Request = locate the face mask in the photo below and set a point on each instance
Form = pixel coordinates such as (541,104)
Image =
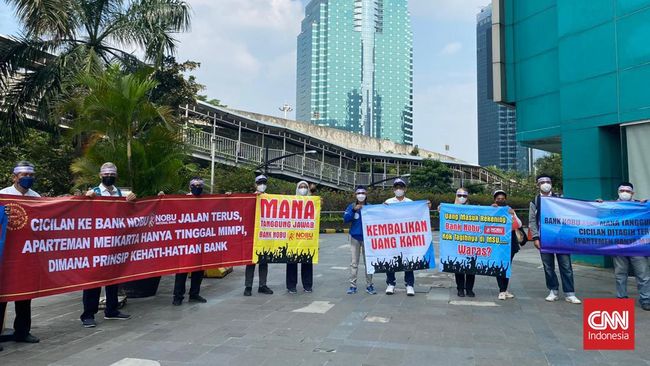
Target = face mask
(361,197)
(399,193)
(261,188)
(26,182)
(108,181)
(196,190)
(302,191)
(501,203)
(462,200)
(624,196)
(545,187)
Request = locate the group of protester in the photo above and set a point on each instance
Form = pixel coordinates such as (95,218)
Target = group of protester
(24,175)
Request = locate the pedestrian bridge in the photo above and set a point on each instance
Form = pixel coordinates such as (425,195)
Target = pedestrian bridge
(336,158)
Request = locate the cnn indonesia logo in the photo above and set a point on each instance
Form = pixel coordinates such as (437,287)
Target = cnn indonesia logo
(608,324)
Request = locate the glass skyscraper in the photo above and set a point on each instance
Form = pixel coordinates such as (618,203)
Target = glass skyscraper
(497,124)
(355,67)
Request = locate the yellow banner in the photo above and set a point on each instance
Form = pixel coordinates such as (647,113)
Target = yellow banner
(286,229)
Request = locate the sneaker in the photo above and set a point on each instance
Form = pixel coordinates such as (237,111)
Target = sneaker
(248,291)
(461,293)
(371,290)
(352,290)
(292,291)
(265,290)
(118,316)
(410,291)
(309,290)
(510,295)
(573,300)
(645,306)
(198,298)
(390,289)
(502,296)
(177,302)
(552,296)
(89,323)
(470,293)
(27,339)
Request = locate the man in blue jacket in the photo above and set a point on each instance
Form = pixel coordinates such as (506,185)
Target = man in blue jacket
(353,215)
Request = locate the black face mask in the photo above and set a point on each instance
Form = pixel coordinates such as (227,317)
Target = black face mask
(501,203)
(108,181)
(196,190)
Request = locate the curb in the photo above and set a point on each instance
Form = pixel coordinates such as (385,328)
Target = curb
(335,231)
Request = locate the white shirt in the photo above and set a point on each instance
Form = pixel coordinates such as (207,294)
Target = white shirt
(106,193)
(14,192)
(395,200)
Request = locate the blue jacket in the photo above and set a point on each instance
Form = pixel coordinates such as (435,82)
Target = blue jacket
(356,229)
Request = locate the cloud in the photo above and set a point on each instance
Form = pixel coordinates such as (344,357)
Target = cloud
(451,48)
(447,10)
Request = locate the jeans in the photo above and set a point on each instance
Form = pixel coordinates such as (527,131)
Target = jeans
(357,250)
(464,281)
(91,302)
(23,321)
(503,281)
(195,284)
(409,278)
(641,272)
(306,275)
(250,273)
(566,272)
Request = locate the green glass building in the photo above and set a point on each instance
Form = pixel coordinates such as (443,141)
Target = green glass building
(355,67)
(578,72)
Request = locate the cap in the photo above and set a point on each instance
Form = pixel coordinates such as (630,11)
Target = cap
(196,182)
(360,189)
(108,168)
(24,167)
(260,179)
(498,192)
(626,186)
(399,181)
(543,178)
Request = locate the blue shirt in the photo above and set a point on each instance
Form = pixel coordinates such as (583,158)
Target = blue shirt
(356,228)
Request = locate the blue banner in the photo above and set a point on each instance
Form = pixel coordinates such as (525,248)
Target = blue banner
(475,239)
(585,227)
(397,237)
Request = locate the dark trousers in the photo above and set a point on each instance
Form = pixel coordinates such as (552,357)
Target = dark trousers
(23,321)
(195,284)
(306,275)
(503,281)
(409,278)
(465,281)
(250,273)
(91,302)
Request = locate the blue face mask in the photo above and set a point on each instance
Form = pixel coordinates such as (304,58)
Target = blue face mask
(196,190)
(26,182)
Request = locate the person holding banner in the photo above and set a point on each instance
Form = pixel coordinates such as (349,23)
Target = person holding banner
(306,269)
(399,188)
(196,189)
(107,188)
(352,215)
(639,264)
(545,186)
(260,188)
(23,179)
(464,282)
(500,198)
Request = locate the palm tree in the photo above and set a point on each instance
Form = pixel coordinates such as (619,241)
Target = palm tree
(120,124)
(64,38)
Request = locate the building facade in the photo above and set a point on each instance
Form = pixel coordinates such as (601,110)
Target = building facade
(497,143)
(355,67)
(578,72)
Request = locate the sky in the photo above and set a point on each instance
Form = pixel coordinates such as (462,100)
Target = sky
(247,51)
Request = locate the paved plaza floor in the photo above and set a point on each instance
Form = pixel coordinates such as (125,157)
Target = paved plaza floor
(329,327)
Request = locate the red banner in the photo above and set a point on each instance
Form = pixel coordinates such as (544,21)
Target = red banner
(57,245)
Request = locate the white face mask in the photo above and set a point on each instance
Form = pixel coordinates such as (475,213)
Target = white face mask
(303,191)
(261,188)
(462,200)
(361,197)
(624,196)
(545,187)
(399,193)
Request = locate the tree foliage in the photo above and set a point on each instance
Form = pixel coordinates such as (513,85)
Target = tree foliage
(433,176)
(174,89)
(551,165)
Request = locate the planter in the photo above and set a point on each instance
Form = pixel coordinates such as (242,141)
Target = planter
(140,288)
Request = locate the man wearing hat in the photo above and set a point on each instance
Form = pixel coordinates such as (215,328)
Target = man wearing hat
(260,188)
(107,188)
(399,188)
(544,184)
(23,179)
(196,189)
(352,215)
(639,264)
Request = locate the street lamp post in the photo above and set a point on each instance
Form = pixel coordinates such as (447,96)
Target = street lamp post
(212,152)
(286,108)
